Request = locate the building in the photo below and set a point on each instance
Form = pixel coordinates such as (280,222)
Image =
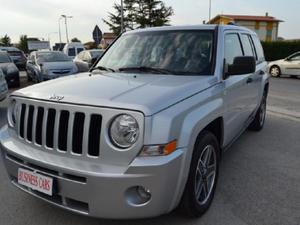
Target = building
(107,39)
(266,26)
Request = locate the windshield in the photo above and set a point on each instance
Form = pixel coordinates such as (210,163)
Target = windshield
(52,57)
(4,58)
(181,52)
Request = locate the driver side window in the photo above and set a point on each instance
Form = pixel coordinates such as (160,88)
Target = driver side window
(233,47)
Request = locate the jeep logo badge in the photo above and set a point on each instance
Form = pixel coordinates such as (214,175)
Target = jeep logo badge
(56,97)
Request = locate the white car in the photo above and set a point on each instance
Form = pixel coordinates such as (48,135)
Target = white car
(288,66)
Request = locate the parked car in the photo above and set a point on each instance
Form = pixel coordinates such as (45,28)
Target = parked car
(3,86)
(47,65)
(85,59)
(72,49)
(288,66)
(17,56)
(144,131)
(9,69)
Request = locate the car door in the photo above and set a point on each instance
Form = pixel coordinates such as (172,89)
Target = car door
(291,65)
(249,49)
(237,94)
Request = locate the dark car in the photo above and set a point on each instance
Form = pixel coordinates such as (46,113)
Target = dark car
(9,69)
(17,56)
(85,59)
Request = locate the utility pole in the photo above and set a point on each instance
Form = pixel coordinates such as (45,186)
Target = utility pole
(59,32)
(66,24)
(122,17)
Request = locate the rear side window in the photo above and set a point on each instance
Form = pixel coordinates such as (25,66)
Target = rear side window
(247,46)
(259,50)
(232,47)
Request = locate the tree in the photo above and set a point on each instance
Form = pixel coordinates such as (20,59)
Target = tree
(114,20)
(6,41)
(75,39)
(23,43)
(152,13)
(139,14)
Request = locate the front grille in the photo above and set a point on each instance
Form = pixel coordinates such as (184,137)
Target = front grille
(77,133)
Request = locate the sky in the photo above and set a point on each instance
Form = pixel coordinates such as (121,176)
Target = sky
(39,18)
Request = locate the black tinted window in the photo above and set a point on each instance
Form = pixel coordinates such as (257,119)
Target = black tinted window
(232,47)
(247,46)
(258,48)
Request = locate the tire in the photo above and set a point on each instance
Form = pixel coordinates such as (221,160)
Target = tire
(275,71)
(197,196)
(260,116)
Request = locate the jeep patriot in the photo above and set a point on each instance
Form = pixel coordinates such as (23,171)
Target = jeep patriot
(143,132)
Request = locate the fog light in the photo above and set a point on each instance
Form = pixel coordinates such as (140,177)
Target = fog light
(138,195)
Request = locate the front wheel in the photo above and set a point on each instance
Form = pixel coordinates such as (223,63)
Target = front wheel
(203,175)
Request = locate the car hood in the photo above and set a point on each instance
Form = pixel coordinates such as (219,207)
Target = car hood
(58,65)
(148,93)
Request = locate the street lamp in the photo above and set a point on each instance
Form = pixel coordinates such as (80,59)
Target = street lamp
(66,24)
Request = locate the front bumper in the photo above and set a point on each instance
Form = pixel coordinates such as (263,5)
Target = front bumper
(98,190)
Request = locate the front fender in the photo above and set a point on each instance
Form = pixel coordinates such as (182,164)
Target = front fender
(183,122)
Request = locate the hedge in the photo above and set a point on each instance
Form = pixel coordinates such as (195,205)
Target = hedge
(280,49)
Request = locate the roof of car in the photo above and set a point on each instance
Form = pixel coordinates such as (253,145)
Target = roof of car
(192,27)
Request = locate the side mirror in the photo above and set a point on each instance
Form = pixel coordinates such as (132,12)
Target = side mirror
(29,61)
(241,65)
(287,59)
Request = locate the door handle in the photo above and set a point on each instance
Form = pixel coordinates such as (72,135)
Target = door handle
(249,80)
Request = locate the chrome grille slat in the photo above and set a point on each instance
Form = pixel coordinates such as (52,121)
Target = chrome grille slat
(26,121)
(70,132)
(85,142)
(56,133)
(44,128)
(34,124)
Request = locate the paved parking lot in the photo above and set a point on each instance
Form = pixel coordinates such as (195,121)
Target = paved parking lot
(259,178)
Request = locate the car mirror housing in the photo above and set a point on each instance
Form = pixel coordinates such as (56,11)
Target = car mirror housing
(241,65)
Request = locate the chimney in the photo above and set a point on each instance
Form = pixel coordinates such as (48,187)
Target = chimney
(267,14)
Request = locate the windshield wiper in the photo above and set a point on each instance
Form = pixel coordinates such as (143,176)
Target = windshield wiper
(146,69)
(102,68)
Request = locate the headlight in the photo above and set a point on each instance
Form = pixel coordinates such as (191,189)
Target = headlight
(124,131)
(12,113)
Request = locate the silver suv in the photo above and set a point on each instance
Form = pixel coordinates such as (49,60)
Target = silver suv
(143,132)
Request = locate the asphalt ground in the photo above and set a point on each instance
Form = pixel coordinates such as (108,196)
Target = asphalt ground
(259,181)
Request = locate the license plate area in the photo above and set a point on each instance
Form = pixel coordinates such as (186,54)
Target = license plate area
(36,181)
